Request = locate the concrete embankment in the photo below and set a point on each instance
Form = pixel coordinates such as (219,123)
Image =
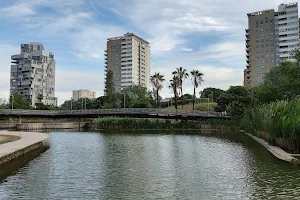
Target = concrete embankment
(27,143)
(38,126)
(276,151)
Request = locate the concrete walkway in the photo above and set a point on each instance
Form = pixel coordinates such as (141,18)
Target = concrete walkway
(276,151)
(27,139)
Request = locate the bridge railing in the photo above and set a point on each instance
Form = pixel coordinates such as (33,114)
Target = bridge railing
(154,111)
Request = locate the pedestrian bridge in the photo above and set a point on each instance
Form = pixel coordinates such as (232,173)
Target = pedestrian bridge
(120,112)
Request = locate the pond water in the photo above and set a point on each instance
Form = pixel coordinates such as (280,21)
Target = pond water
(89,165)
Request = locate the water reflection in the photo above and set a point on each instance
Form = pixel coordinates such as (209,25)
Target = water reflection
(131,166)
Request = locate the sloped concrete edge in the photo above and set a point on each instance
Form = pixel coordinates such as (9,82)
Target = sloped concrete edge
(29,142)
(276,151)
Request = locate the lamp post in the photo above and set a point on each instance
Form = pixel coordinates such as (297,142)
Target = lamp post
(124,101)
(12,102)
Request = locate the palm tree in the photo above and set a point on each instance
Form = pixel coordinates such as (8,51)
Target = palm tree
(156,80)
(174,85)
(182,74)
(197,79)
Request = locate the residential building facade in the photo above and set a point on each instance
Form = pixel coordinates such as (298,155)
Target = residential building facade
(78,94)
(33,74)
(270,38)
(128,57)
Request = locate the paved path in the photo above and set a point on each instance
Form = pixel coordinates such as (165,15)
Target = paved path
(27,139)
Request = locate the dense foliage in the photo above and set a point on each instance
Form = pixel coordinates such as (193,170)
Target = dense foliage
(274,110)
(18,102)
(213,93)
(136,123)
(234,101)
(277,122)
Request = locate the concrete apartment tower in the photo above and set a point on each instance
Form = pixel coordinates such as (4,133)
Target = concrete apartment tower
(33,74)
(78,94)
(271,36)
(128,57)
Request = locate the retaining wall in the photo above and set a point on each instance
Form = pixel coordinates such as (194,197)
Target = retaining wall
(37,126)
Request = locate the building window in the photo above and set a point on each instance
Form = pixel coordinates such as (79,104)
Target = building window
(261,21)
(266,20)
(257,41)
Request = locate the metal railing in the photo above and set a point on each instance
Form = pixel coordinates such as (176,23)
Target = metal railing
(149,111)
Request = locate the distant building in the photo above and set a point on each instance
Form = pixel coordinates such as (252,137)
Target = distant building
(32,74)
(78,94)
(128,57)
(271,37)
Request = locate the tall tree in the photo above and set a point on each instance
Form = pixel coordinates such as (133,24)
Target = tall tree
(174,85)
(215,91)
(136,96)
(156,80)
(197,79)
(17,101)
(181,74)
(110,90)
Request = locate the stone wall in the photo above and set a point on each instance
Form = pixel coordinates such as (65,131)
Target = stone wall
(37,126)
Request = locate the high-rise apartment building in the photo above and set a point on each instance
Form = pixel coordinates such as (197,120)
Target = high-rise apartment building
(128,57)
(271,36)
(33,74)
(78,94)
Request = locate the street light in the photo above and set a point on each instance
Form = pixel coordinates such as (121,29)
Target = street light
(124,100)
(12,102)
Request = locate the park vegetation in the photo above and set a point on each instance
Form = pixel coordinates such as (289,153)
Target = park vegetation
(270,110)
(115,123)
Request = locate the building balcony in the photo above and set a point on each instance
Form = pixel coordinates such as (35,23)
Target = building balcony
(105,62)
(105,58)
(105,50)
(248,65)
(247,50)
(248,71)
(248,55)
(248,60)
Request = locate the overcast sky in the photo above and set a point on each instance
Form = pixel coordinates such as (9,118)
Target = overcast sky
(207,35)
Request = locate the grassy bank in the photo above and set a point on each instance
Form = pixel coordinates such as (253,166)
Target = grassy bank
(277,122)
(8,138)
(115,123)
